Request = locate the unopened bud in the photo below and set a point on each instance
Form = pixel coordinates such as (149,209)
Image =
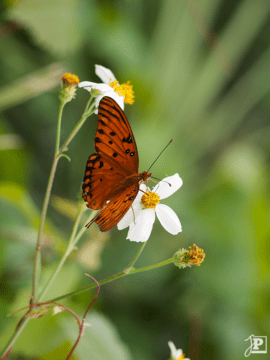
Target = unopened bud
(193,256)
(69,85)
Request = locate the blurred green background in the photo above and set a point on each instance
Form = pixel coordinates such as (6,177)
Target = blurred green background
(200,72)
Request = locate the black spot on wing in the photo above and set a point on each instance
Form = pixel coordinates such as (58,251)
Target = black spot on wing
(102,122)
(130,198)
(127,139)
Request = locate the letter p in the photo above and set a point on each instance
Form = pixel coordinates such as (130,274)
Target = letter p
(256,343)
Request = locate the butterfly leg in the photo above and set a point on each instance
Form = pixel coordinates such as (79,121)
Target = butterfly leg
(142,191)
(133,214)
(91,222)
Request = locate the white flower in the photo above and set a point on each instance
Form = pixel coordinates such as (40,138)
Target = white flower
(176,354)
(145,206)
(110,87)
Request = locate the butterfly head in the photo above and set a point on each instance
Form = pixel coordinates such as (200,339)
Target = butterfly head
(145,175)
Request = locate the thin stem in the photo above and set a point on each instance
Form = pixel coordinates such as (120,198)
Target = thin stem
(41,227)
(137,255)
(84,228)
(114,277)
(81,327)
(87,288)
(73,239)
(46,202)
(150,267)
(86,114)
(14,338)
(69,249)
(57,143)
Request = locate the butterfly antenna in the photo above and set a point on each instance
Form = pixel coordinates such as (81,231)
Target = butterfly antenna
(153,177)
(160,154)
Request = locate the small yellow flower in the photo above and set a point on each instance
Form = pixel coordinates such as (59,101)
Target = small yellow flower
(196,255)
(193,256)
(69,85)
(70,80)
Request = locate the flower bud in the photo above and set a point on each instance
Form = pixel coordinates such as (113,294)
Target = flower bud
(69,85)
(193,256)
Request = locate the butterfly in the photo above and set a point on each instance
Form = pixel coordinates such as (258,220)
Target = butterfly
(112,180)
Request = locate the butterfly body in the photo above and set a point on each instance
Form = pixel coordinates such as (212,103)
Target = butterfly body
(112,180)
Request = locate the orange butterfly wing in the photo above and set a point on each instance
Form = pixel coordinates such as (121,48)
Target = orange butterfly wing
(116,209)
(111,176)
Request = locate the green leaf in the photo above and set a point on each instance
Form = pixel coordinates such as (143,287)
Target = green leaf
(53,23)
(31,86)
(101,339)
(65,156)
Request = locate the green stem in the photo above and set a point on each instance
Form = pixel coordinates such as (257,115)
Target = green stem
(69,249)
(84,228)
(57,143)
(150,267)
(41,227)
(46,202)
(89,109)
(86,114)
(137,255)
(15,336)
(114,277)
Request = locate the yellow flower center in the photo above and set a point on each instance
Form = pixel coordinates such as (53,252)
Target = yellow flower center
(182,357)
(123,90)
(196,255)
(70,79)
(150,200)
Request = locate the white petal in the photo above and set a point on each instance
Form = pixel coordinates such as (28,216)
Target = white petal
(88,88)
(130,216)
(168,219)
(85,83)
(164,190)
(128,219)
(141,192)
(104,74)
(103,88)
(112,94)
(141,231)
(119,99)
(138,199)
(174,352)
(143,188)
